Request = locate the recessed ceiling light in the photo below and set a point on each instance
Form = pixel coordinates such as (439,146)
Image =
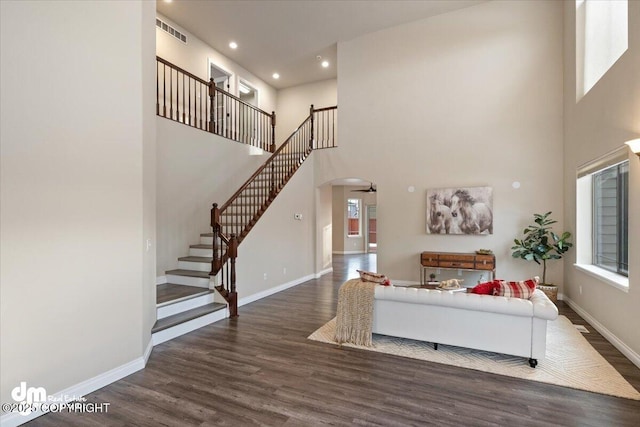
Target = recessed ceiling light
(233,45)
(325,64)
(276,76)
(168,1)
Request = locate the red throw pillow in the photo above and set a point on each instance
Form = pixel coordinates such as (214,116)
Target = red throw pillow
(523,289)
(486,288)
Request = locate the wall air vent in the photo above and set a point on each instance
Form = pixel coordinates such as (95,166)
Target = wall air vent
(172,31)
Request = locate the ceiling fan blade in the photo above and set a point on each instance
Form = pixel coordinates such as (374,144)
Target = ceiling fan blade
(368,190)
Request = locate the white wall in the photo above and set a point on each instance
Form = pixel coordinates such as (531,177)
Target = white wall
(194,58)
(294,104)
(74,215)
(278,241)
(468,98)
(194,170)
(599,123)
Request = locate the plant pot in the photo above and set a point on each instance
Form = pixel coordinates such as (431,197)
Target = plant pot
(550,291)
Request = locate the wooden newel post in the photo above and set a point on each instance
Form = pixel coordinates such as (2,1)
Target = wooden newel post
(215,224)
(233,295)
(311,136)
(273,131)
(212,95)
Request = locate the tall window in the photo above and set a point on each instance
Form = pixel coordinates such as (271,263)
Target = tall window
(353,217)
(601,38)
(602,218)
(611,218)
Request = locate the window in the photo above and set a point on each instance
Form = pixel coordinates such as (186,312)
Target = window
(611,218)
(602,219)
(601,38)
(353,217)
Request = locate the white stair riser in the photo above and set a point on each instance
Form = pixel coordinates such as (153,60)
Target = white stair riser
(179,307)
(196,266)
(206,240)
(186,327)
(200,252)
(187,280)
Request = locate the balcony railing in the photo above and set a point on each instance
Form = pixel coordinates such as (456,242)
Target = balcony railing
(188,99)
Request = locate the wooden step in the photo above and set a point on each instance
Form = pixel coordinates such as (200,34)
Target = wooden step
(168,293)
(188,273)
(186,316)
(201,246)
(203,259)
(199,263)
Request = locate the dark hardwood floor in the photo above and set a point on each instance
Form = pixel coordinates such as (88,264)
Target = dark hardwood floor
(260,369)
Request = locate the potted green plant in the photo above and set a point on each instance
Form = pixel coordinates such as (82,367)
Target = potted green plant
(541,244)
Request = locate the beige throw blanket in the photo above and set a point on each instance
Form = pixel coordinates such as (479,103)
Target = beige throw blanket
(355,312)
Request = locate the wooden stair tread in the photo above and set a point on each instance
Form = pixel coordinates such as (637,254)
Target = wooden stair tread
(201,246)
(185,316)
(202,259)
(189,273)
(167,292)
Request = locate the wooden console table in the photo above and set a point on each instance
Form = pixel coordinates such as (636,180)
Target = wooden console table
(456,261)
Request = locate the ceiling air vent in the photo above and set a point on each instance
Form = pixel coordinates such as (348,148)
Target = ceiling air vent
(169,29)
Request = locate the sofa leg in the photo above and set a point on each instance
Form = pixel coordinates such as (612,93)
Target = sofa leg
(435,345)
(533,362)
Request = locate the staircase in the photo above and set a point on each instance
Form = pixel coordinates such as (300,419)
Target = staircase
(186,301)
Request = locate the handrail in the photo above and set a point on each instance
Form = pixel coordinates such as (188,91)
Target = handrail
(261,168)
(182,70)
(184,97)
(246,104)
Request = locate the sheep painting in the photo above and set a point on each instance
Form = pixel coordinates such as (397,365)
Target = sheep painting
(460,211)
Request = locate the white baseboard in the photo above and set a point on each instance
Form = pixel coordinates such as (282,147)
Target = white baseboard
(161,280)
(617,343)
(347,252)
(274,290)
(81,389)
(323,272)
(147,352)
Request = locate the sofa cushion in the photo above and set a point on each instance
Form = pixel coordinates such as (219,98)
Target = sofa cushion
(522,289)
(486,288)
(368,276)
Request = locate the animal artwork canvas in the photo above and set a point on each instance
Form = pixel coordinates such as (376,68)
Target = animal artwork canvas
(463,210)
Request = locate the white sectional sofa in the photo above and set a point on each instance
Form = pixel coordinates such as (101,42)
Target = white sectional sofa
(498,324)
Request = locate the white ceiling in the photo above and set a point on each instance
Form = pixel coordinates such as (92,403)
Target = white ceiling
(287,36)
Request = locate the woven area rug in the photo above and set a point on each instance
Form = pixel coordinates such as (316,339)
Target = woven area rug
(570,360)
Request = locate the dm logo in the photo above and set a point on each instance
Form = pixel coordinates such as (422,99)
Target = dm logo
(29,396)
